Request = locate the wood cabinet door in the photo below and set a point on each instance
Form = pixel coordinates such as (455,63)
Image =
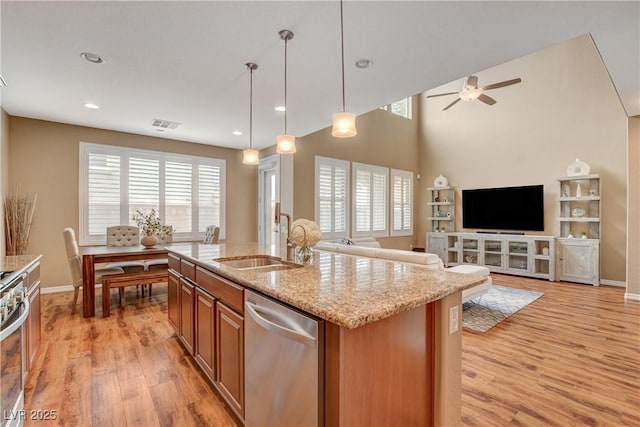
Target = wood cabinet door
(33,328)
(205,333)
(230,357)
(187,297)
(173,300)
(578,261)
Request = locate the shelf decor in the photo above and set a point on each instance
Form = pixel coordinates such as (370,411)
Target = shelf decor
(440,182)
(578,168)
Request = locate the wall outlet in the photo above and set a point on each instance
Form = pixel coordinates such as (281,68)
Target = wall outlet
(453,320)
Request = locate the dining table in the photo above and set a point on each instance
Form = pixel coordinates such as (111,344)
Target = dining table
(92,255)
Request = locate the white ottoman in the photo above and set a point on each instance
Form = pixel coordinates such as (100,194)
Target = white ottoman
(475,270)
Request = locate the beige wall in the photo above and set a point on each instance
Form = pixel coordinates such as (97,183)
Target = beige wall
(4,171)
(565,107)
(633,216)
(383,139)
(44,158)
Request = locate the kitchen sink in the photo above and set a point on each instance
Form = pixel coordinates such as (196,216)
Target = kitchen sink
(257,263)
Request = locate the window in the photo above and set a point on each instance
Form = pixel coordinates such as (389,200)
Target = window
(401,108)
(332,197)
(401,203)
(370,200)
(187,191)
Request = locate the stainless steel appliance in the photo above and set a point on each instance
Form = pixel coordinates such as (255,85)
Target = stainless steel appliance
(283,365)
(14,309)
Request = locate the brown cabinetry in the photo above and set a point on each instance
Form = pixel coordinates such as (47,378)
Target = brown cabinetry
(186,329)
(207,312)
(33,331)
(173,299)
(230,356)
(205,332)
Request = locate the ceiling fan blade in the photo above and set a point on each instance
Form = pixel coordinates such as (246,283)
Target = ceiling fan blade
(486,99)
(442,94)
(451,105)
(502,84)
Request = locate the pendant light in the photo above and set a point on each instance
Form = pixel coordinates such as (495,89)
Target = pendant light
(250,156)
(285,144)
(344,122)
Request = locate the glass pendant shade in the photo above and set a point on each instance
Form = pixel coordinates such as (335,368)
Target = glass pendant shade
(250,157)
(285,144)
(344,125)
(470,94)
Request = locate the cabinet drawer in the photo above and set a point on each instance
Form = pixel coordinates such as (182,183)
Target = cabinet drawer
(188,269)
(174,262)
(222,289)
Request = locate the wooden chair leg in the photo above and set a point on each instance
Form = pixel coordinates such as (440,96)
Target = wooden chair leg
(76,291)
(121,292)
(106,299)
(150,289)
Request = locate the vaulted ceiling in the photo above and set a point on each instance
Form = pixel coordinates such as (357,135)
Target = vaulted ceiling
(184,61)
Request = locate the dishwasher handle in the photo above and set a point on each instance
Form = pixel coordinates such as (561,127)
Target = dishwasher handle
(295,334)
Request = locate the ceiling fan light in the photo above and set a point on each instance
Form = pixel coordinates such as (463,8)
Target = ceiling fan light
(250,157)
(470,94)
(344,125)
(285,144)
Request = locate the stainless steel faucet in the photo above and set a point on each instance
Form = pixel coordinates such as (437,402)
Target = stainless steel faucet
(291,247)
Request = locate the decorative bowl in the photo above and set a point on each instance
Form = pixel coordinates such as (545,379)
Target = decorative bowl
(578,212)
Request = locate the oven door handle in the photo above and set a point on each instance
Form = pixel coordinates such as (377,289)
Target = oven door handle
(18,322)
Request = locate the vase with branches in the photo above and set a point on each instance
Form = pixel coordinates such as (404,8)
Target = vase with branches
(151,227)
(18,216)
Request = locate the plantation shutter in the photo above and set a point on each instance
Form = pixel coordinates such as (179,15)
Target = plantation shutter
(178,188)
(187,191)
(103,184)
(370,200)
(209,196)
(144,186)
(332,196)
(402,202)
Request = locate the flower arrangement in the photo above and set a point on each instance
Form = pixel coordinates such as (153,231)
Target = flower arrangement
(305,234)
(150,225)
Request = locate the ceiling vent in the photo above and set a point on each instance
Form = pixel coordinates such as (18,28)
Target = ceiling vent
(164,124)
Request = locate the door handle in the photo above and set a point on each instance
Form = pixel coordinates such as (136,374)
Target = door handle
(293,332)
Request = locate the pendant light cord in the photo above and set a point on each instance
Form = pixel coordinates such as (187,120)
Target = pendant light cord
(342,50)
(251,109)
(285,85)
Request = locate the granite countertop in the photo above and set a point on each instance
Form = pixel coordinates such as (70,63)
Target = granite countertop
(17,262)
(347,290)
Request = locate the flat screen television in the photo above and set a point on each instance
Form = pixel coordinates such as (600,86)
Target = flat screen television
(504,208)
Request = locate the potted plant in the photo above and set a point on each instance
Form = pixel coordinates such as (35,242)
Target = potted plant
(151,228)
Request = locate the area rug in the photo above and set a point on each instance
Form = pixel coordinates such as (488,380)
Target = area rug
(483,313)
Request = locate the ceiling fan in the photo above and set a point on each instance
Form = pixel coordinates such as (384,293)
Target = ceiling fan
(471,91)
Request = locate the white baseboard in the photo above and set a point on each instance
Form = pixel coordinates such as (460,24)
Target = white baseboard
(632,297)
(56,289)
(63,288)
(613,283)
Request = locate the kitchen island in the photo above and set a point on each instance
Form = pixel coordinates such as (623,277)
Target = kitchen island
(390,355)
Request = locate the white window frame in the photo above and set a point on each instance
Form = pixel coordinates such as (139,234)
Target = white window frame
(355,167)
(405,176)
(124,153)
(334,163)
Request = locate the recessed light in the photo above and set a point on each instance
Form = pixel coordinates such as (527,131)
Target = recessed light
(363,63)
(237,132)
(91,106)
(92,57)
(159,130)
(280,108)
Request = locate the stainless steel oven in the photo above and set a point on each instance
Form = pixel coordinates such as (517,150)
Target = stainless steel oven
(14,309)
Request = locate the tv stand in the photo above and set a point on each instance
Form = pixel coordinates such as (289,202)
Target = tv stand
(521,255)
(510,233)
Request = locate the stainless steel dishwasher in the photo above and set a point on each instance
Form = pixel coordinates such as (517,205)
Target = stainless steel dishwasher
(283,365)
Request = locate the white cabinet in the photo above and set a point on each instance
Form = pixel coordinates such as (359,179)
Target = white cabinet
(578,260)
(578,247)
(442,208)
(437,244)
(531,256)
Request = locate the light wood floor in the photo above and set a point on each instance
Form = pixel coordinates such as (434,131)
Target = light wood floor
(572,358)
